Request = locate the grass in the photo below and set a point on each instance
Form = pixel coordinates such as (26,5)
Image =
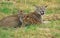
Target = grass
(48,30)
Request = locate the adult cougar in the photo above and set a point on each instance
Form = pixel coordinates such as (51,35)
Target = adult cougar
(33,17)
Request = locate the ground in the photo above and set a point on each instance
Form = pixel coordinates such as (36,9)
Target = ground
(51,29)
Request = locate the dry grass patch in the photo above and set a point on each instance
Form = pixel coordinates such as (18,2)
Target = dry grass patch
(37,33)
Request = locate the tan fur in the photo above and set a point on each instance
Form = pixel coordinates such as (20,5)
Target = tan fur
(10,21)
(31,18)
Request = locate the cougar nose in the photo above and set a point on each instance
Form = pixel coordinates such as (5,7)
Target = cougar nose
(42,13)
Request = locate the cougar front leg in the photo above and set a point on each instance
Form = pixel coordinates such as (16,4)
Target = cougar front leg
(41,19)
(23,24)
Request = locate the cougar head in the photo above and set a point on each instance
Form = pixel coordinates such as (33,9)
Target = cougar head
(40,9)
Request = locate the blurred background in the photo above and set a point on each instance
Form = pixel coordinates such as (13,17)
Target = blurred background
(49,30)
(8,7)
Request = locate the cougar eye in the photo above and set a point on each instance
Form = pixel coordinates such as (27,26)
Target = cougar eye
(43,11)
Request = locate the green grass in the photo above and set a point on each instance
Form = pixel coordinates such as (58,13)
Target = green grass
(7,8)
(48,30)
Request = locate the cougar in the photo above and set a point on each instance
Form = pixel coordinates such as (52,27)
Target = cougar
(33,17)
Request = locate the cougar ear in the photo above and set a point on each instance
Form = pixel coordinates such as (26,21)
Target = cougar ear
(36,6)
(20,13)
(46,6)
